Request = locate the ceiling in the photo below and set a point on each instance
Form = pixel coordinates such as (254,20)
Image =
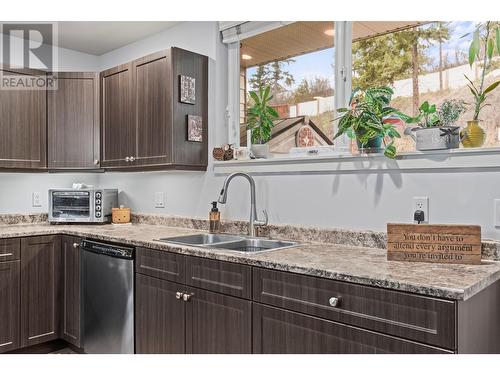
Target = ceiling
(307,36)
(97,38)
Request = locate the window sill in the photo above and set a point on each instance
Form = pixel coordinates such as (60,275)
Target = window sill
(457,159)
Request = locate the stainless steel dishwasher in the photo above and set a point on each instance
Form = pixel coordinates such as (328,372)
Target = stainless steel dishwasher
(108,298)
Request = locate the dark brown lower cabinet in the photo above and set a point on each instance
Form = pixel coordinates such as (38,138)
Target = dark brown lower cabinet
(40,289)
(71,301)
(218,324)
(278,331)
(9,306)
(204,323)
(160,317)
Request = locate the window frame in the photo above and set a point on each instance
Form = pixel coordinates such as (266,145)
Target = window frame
(480,158)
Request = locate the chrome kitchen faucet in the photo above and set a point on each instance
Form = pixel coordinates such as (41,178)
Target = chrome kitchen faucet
(253,222)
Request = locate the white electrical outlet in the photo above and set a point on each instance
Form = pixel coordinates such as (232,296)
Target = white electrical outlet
(159,199)
(36,199)
(422,204)
(497,212)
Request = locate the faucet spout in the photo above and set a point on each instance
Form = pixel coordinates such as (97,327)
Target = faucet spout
(253,221)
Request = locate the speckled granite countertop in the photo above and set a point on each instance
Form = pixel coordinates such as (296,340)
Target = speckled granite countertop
(367,266)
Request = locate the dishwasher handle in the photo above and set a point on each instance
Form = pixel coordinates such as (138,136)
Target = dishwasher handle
(108,249)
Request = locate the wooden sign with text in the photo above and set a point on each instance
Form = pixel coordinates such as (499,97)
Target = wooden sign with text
(434,243)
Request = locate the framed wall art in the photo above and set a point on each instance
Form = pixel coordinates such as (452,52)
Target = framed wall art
(187,89)
(194,128)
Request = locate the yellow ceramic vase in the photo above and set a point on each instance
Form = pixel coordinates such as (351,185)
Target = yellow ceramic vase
(473,135)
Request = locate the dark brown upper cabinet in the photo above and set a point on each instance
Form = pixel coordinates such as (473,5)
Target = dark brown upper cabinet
(23,125)
(152,78)
(118,135)
(144,122)
(73,122)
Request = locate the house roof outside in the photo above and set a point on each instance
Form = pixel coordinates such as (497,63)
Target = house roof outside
(284,132)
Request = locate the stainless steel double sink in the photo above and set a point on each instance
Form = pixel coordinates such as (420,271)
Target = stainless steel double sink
(230,242)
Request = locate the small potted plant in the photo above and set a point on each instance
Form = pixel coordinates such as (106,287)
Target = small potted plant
(367,120)
(260,121)
(473,134)
(436,129)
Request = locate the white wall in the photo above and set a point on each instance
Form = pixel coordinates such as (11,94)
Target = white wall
(194,36)
(68,60)
(346,200)
(16,189)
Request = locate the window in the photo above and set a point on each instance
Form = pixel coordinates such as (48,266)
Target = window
(296,62)
(423,63)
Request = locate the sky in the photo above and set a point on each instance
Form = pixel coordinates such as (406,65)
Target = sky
(458,29)
(315,64)
(320,63)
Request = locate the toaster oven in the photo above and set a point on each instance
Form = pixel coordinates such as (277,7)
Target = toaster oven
(82,205)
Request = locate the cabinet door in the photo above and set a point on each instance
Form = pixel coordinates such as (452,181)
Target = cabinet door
(71,326)
(23,126)
(40,289)
(159,317)
(154,109)
(278,331)
(73,111)
(117,116)
(9,306)
(218,324)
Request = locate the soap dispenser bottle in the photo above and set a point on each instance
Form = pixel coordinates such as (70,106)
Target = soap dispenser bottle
(214,218)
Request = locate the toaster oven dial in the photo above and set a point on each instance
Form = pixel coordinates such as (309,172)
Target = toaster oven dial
(98,195)
(98,201)
(98,208)
(98,214)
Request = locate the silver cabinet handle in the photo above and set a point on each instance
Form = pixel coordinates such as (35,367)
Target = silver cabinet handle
(186,297)
(132,158)
(178,295)
(6,255)
(334,301)
(76,245)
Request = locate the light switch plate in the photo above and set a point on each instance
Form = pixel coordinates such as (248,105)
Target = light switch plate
(36,199)
(496,210)
(159,199)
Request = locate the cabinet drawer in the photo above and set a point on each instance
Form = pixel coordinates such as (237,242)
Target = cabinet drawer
(160,264)
(278,331)
(10,249)
(223,277)
(424,319)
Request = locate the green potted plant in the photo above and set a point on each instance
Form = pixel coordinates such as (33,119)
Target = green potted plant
(481,48)
(436,128)
(260,119)
(367,120)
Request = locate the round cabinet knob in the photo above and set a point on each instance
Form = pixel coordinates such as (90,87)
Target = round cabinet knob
(334,301)
(96,162)
(178,295)
(132,158)
(127,159)
(76,245)
(186,297)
